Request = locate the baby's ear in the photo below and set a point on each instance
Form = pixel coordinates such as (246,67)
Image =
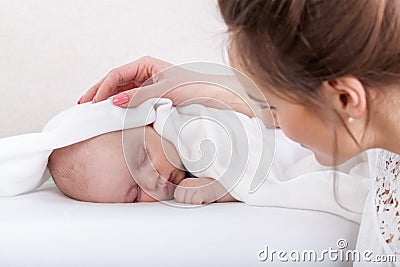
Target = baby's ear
(346,95)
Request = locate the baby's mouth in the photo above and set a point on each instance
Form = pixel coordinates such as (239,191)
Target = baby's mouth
(169,184)
(172,177)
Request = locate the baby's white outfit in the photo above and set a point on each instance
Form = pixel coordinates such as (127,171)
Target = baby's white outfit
(222,144)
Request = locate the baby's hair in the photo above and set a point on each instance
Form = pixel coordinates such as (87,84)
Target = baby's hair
(68,167)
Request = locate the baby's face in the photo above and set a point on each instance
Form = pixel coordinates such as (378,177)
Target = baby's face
(136,165)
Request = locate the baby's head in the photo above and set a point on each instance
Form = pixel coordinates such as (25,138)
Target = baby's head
(134,166)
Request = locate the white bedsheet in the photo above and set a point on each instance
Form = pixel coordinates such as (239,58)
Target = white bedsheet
(45,228)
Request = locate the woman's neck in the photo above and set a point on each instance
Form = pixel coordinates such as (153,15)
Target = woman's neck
(384,126)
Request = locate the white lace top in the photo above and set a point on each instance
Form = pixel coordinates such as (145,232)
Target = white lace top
(387,194)
(380,224)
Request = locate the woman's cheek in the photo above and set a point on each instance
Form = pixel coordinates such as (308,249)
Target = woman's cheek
(269,118)
(287,125)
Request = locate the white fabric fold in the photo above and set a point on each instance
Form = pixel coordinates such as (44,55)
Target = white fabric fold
(221,144)
(23,158)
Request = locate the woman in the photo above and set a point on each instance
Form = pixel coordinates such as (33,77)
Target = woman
(331,73)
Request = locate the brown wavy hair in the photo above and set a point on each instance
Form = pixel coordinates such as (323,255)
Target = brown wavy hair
(291,46)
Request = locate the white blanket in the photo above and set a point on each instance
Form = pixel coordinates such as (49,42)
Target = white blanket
(225,145)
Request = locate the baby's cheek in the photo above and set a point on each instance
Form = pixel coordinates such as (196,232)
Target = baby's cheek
(146,197)
(158,165)
(163,165)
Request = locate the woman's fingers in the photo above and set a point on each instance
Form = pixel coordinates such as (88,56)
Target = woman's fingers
(131,74)
(137,96)
(114,79)
(88,96)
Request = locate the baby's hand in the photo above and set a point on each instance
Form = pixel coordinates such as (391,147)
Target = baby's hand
(195,191)
(200,191)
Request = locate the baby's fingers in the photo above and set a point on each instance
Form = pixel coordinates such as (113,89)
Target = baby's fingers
(180,194)
(188,196)
(198,198)
(190,192)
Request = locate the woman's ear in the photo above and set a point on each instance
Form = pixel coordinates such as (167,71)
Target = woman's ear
(347,96)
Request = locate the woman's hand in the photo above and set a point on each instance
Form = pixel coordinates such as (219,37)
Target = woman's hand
(148,77)
(125,78)
(201,191)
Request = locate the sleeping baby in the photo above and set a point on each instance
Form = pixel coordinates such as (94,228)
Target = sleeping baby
(102,153)
(137,165)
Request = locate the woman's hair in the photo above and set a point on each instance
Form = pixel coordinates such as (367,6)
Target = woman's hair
(290,47)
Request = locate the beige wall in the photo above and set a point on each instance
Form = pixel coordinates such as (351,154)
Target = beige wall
(52,51)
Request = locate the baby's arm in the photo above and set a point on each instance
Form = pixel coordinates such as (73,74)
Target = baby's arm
(201,191)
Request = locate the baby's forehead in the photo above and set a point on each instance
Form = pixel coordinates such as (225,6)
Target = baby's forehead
(90,148)
(109,148)
(136,136)
(110,139)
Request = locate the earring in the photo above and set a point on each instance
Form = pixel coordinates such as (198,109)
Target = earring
(350,119)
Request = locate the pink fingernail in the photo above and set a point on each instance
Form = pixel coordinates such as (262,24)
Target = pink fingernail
(79,101)
(120,99)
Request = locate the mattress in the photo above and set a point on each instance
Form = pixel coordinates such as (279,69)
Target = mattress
(45,228)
